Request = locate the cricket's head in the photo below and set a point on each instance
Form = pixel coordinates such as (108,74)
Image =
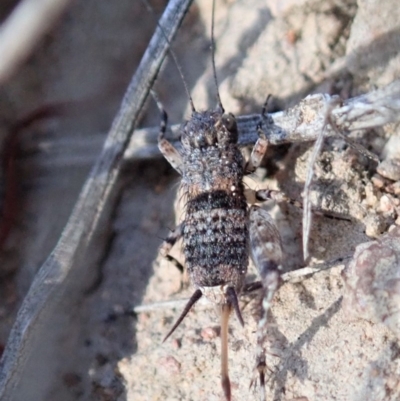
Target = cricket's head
(226,298)
(211,157)
(209,129)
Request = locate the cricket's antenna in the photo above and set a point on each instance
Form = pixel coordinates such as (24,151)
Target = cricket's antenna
(213,57)
(172,53)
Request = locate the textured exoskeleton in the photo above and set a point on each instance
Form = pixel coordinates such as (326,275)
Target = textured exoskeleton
(219,228)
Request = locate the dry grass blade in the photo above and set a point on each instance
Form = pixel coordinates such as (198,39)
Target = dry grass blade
(59,268)
(307,218)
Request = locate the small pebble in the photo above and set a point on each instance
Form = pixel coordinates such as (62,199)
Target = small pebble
(209,333)
(386,205)
(170,364)
(176,344)
(374,225)
(378,181)
(390,168)
(394,188)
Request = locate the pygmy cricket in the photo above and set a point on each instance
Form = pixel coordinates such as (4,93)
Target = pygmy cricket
(220,231)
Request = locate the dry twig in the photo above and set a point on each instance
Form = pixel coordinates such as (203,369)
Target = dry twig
(301,123)
(52,279)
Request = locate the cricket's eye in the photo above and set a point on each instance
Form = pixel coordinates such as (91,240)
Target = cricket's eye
(229,122)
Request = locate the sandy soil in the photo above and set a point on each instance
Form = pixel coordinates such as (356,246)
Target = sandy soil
(334,335)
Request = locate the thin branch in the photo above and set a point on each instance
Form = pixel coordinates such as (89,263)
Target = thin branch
(300,123)
(171,304)
(292,276)
(64,263)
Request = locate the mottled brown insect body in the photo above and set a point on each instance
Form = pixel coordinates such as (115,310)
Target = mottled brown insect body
(219,228)
(215,230)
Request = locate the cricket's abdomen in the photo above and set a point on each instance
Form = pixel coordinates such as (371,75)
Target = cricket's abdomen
(216,238)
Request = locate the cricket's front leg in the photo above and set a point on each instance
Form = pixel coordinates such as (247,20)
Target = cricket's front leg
(166,148)
(258,152)
(266,252)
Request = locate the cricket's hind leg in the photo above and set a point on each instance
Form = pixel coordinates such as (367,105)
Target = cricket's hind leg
(266,252)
